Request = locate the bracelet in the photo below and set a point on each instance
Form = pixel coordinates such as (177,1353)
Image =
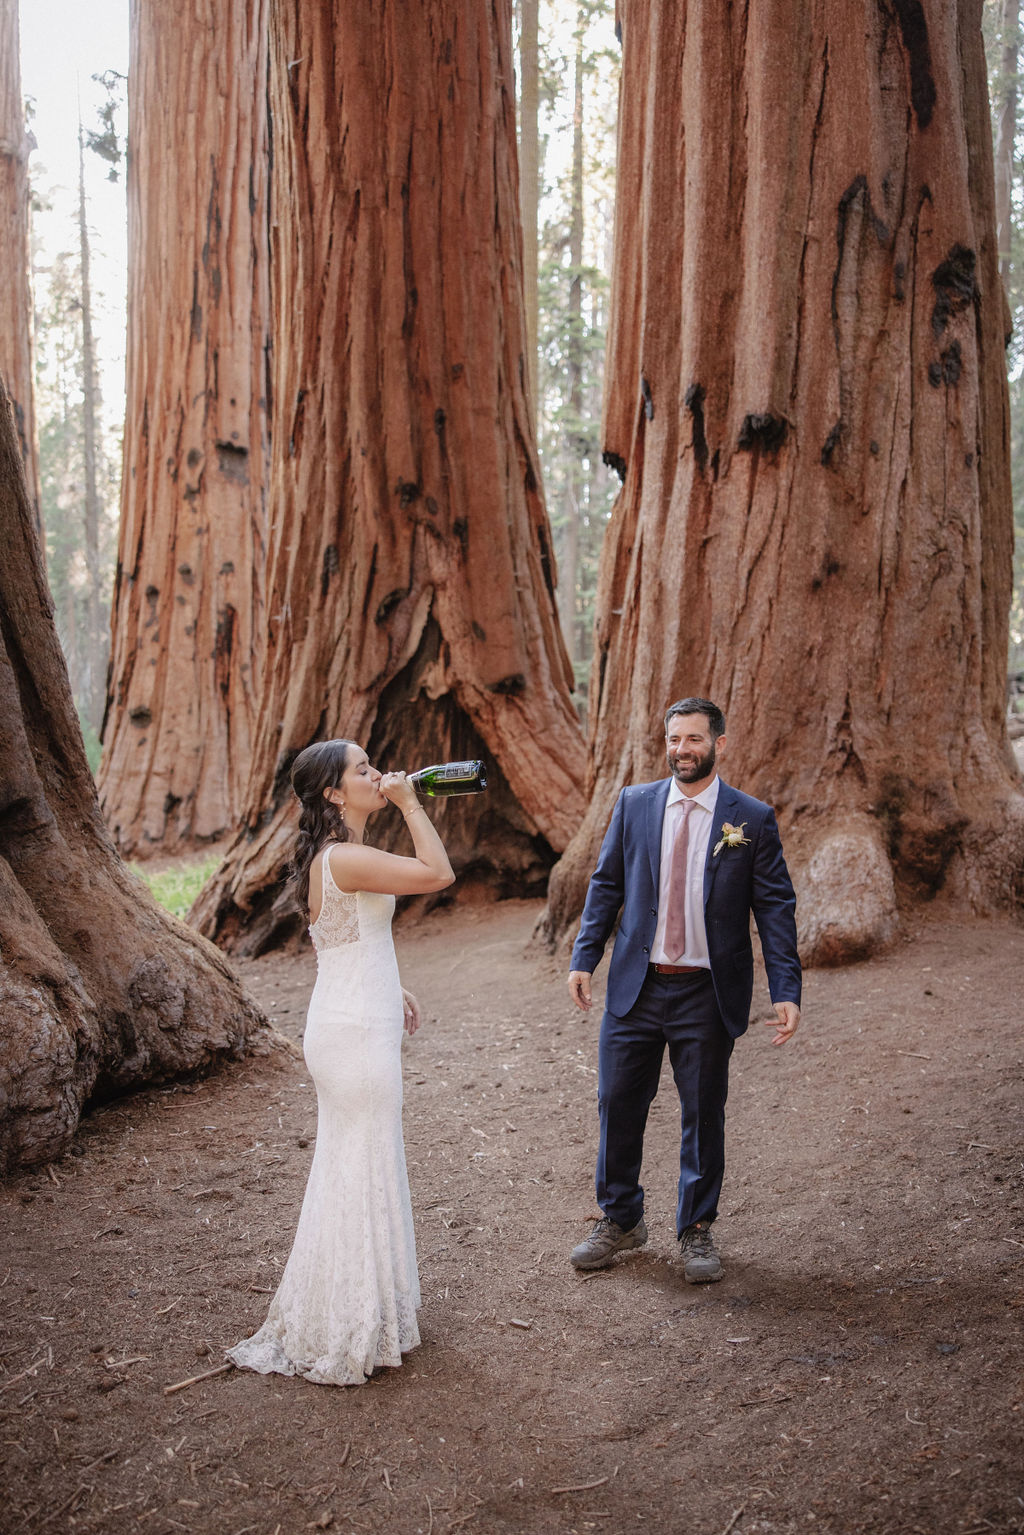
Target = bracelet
(413,811)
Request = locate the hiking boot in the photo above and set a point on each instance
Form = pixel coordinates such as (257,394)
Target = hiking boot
(701,1263)
(598,1249)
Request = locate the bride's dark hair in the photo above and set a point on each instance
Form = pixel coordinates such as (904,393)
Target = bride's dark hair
(316,768)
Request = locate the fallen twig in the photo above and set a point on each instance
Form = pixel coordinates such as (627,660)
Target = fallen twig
(85,1487)
(734,1518)
(98,1462)
(580,1486)
(194,1380)
(915,1054)
(30,1371)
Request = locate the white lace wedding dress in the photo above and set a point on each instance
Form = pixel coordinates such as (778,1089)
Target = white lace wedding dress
(347,1300)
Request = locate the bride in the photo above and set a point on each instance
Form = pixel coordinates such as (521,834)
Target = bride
(347,1300)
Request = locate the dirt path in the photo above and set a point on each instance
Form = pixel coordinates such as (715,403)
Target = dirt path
(859,1369)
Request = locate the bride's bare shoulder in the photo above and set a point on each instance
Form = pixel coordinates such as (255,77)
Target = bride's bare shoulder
(346,862)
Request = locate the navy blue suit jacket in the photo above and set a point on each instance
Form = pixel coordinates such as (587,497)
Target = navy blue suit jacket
(738,881)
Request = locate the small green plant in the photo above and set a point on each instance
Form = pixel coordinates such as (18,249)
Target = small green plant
(176,886)
(93,748)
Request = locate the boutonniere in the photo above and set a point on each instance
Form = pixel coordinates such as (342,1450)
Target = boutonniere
(732,836)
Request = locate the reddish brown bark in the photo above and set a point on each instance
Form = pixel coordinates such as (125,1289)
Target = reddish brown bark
(529,175)
(188,602)
(410,579)
(16,362)
(100,991)
(808,402)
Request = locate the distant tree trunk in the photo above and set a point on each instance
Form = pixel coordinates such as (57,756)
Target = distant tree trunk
(1006,133)
(410,576)
(188,601)
(96,638)
(808,404)
(529,179)
(100,991)
(16,360)
(572,511)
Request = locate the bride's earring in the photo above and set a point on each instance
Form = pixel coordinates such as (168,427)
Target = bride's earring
(341,811)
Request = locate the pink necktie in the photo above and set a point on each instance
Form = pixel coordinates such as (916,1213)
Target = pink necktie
(675,921)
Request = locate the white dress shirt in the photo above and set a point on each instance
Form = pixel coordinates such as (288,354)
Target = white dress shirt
(701,820)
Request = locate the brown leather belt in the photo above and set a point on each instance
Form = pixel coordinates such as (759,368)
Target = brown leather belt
(676,969)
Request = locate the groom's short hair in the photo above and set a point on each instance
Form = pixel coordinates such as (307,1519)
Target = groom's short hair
(713,714)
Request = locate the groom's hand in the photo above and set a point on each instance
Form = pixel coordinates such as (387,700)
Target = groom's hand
(579,989)
(787,1016)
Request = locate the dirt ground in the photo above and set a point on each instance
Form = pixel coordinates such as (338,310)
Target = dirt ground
(859,1368)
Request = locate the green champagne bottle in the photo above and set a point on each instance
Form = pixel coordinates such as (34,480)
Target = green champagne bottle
(446,778)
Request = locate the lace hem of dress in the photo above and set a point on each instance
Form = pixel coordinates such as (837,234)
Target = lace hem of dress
(349,1363)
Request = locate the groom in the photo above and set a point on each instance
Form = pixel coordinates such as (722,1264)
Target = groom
(686,861)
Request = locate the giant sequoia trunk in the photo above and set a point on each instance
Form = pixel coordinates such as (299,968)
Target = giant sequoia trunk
(16,366)
(188,611)
(808,405)
(410,579)
(100,991)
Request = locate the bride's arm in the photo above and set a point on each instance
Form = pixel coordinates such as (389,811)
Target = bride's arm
(356,867)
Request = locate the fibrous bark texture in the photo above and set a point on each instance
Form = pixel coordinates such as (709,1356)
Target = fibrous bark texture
(100,991)
(16,363)
(808,405)
(410,576)
(188,601)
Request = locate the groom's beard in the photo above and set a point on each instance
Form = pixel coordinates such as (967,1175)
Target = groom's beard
(692,770)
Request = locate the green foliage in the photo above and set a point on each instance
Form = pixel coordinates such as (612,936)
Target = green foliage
(578,67)
(176,886)
(60,410)
(107,142)
(93,745)
(61,417)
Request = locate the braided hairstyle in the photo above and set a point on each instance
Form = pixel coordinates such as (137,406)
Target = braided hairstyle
(316,768)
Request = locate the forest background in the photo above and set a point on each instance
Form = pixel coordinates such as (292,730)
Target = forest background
(79,273)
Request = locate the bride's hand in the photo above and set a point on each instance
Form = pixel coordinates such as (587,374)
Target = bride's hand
(412,1012)
(397,788)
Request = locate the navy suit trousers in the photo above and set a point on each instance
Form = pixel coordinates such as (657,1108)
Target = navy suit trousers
(679,1010)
